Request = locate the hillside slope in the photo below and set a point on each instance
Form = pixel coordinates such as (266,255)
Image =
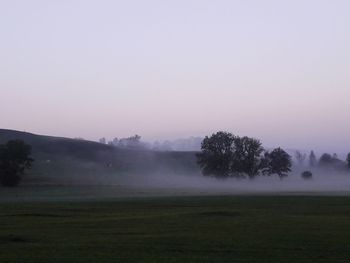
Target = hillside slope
(64,160)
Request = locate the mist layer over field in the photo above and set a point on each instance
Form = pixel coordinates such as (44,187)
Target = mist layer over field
(177,184)
(161,185)
(164,180)
(323,182)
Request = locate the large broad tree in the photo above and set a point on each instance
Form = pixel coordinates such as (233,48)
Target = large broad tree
(217,155)
(247,156)
(225,155)
(278,162)
(14,160)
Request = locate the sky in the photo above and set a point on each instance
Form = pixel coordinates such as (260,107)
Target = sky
(275,70)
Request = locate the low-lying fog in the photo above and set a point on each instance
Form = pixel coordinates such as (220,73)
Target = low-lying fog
(326,182)
(169,184)
(150,173)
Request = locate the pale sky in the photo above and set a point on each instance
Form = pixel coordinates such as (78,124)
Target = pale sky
(273,69)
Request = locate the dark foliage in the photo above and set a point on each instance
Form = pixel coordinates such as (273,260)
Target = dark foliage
(14,159)
(216,158)
(332,161)
(307,175)
(224,155)
(348,160)
(278,162)
(247,158)
(326,159)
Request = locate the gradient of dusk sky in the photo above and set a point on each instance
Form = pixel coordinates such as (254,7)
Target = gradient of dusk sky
(277,70)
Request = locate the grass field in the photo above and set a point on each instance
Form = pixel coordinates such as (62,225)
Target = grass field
(181,229)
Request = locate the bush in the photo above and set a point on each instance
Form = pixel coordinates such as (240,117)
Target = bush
(307,175)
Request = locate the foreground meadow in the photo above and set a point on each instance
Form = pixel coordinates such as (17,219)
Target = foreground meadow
(178,229)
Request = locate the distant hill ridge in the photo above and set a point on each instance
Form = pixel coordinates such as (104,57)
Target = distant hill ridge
(50,144)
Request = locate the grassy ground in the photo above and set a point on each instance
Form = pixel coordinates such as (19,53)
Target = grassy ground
(181,229)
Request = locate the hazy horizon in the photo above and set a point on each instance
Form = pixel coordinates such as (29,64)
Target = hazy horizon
(277,71)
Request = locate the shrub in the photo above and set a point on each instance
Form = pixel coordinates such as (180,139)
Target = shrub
(307,175)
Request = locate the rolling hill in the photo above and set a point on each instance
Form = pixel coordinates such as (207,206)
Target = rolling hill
(64,160)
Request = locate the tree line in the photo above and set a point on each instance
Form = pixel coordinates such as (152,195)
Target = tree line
(225,155)
(326,160)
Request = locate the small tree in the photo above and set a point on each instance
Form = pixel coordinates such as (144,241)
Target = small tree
(307,175)
(312,159)
(300,157)
(348,160)
(14,159)
(278,162)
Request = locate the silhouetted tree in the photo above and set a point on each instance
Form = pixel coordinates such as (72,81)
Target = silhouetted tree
(300,157)
(312,159)
(14,159)
(332,161)
(348,160)
(247,157)
(326,159)
(225,155)
(278,162)
(217,154)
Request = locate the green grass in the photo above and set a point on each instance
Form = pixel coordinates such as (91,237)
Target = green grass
(183,229)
